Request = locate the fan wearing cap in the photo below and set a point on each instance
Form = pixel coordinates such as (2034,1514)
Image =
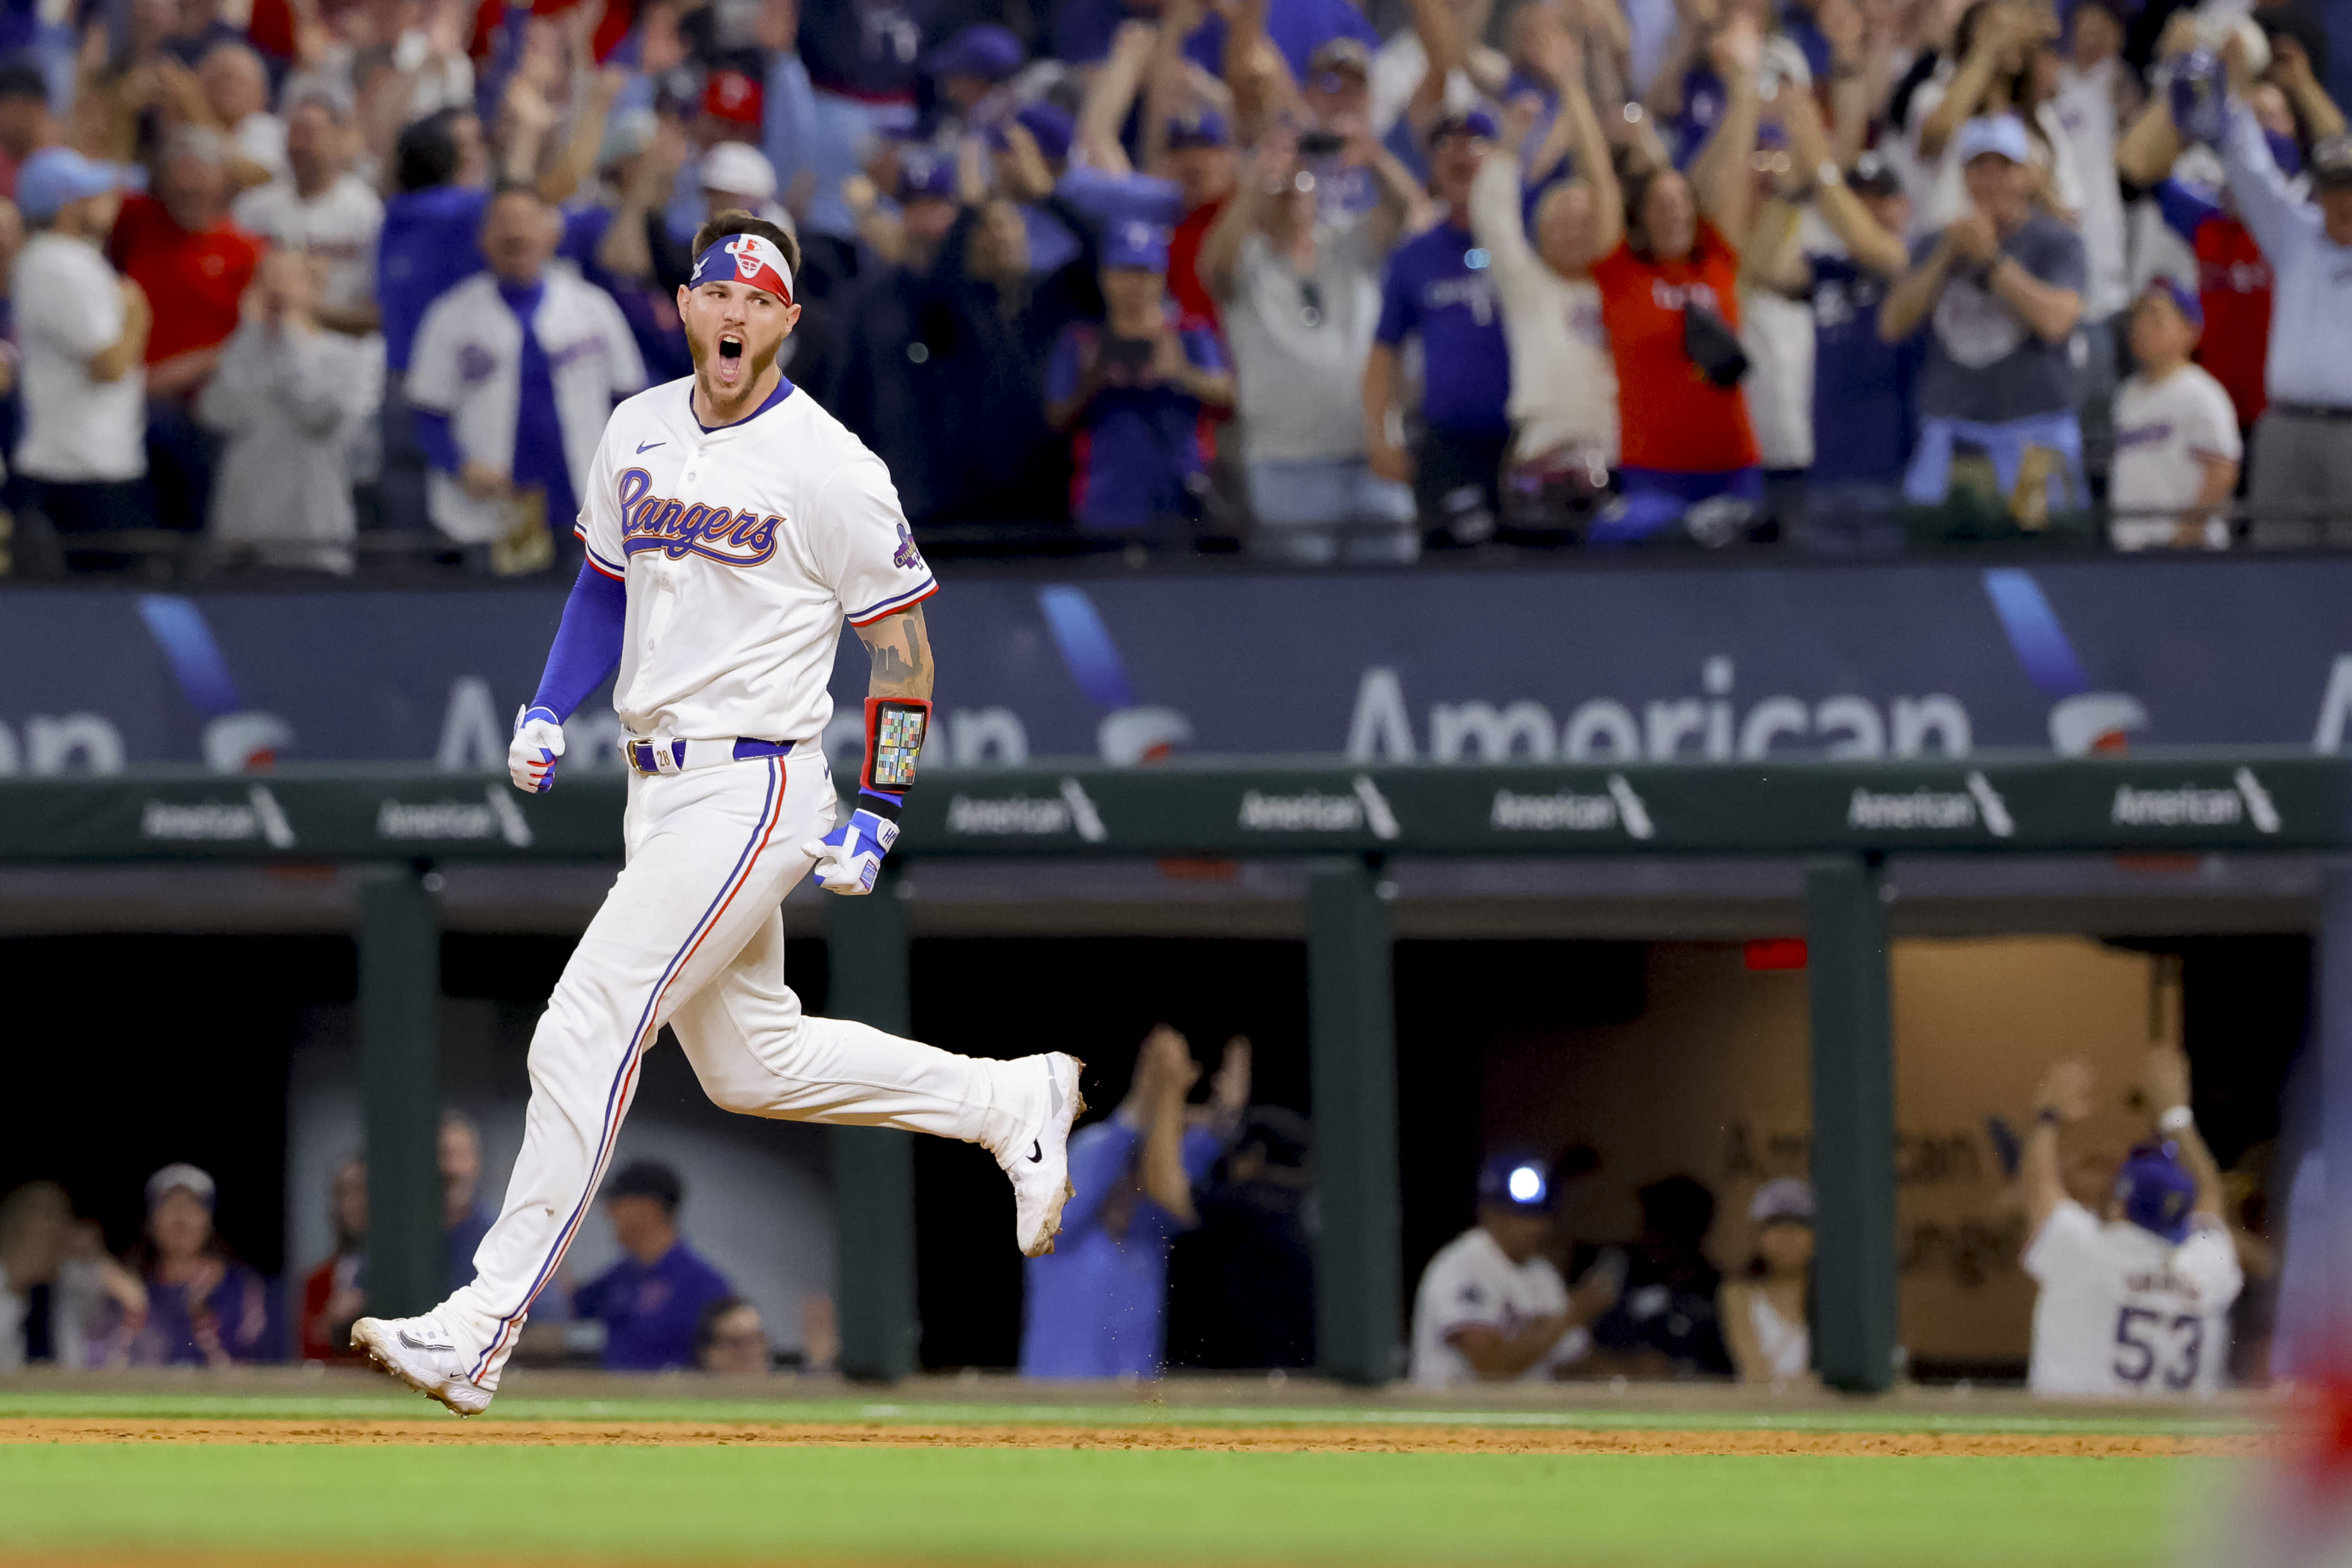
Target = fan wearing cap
(203,1307)
(1134,393)
(653,1297)
(1767,1313)
(1299,292)
(966,69)
(1439,287)
(1492,1306)
(2136,1301)
(2177,444)
(82,330)
(1862,385)
(2000,292)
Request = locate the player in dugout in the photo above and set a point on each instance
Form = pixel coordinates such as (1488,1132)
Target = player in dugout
(1492,1307)
(2137,1302)
(1096,1306)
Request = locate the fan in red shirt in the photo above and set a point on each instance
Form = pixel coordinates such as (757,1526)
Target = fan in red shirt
(179,247)
(1670,299)
(1200,159)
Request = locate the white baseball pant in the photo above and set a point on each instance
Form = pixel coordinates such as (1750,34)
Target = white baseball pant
(690,936)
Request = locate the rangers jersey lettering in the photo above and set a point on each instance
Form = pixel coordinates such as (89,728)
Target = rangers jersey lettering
(743,548)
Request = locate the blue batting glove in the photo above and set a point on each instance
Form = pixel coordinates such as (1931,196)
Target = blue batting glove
(532,756)
(849,858)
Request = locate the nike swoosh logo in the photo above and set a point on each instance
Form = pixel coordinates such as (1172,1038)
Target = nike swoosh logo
(645,446)
(1037,1152)
(420,1344)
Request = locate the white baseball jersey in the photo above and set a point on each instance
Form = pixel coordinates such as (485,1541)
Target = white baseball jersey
(467,364)
(338,226)
(744,549)
(1471,1283)
(2164,431)
(2124,1312)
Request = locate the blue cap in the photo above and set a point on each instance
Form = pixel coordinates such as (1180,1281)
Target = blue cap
(54,176)
(1135,245)
(1516,1181)
(982,50)
(2156,1191)
(2184,299)
(1052,128)
(926,171)
(1465,122)
(2000,134)
(1199,127)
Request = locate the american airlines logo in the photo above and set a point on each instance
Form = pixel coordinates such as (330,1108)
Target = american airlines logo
(1975,804)
(2190,806)
(1567,812)
(1029,816)
(495,816)
(1312,811)
(257,816)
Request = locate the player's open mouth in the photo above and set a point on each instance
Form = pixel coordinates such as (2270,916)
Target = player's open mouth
(730,357)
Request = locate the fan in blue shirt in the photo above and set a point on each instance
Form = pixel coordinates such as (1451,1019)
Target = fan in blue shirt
(1135,391)
(652,1301)
(1438,287)
(1096,1306)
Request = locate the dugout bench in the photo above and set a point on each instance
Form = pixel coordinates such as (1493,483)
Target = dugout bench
(1840,820)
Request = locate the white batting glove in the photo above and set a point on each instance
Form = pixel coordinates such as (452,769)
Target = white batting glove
(532,756)
(849,858)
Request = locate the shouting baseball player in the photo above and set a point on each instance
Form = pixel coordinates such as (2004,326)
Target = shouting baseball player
(731,525)
(2136,1303)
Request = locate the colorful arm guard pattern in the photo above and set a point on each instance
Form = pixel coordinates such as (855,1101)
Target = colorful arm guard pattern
(895,728)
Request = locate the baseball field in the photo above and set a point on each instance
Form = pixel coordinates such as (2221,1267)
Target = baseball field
(339,1469)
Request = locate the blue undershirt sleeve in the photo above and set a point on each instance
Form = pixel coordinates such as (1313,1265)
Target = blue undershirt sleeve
(440,443)
(587,645)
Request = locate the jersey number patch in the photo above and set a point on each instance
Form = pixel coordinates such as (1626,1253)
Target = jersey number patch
(2143,1340)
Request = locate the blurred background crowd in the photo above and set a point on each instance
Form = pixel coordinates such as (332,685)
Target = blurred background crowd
(314,285)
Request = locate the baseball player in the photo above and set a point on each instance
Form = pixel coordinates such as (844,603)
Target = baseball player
(731,525)
(2138,1303)
(1492,1307)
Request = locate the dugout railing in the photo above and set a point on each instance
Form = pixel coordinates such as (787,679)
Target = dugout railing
(1839,819)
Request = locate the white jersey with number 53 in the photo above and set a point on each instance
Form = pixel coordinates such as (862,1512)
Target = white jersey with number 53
(2124,1312)
(744,549)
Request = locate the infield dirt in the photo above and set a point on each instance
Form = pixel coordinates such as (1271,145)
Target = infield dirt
(1369,1437)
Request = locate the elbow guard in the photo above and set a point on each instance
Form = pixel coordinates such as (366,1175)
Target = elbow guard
(895,728)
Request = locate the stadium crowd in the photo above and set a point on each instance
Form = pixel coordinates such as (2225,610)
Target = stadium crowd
(284,273)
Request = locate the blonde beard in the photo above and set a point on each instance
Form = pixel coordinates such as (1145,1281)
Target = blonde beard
(702,355)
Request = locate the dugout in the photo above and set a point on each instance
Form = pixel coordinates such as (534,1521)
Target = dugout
(1352,859)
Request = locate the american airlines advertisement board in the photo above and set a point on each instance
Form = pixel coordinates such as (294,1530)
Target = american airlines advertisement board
(1610,664)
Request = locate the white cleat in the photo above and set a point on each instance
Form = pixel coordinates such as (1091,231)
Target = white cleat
(1039,1161)
(419,1351)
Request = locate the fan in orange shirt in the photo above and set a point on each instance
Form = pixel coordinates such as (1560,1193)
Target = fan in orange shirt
(1670,299)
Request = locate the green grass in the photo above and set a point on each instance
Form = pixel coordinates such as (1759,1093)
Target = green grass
(1859,1417)
(670,1505)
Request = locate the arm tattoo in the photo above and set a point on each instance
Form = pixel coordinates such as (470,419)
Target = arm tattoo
(897,647)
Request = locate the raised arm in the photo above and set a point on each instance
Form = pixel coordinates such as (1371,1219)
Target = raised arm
(2062,1099)
(1111,94)
(1809,147)
(1160,1170)
(2291,69)
(2165,1078)
(1721,178)
(1965,95)
(1276,158)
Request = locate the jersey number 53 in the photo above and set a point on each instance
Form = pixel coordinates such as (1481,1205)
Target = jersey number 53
(2148,1346)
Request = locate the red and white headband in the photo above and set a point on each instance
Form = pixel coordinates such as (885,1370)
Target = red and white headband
(747,258)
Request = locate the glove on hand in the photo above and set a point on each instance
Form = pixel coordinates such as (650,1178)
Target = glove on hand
(531,757)
(849,858)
